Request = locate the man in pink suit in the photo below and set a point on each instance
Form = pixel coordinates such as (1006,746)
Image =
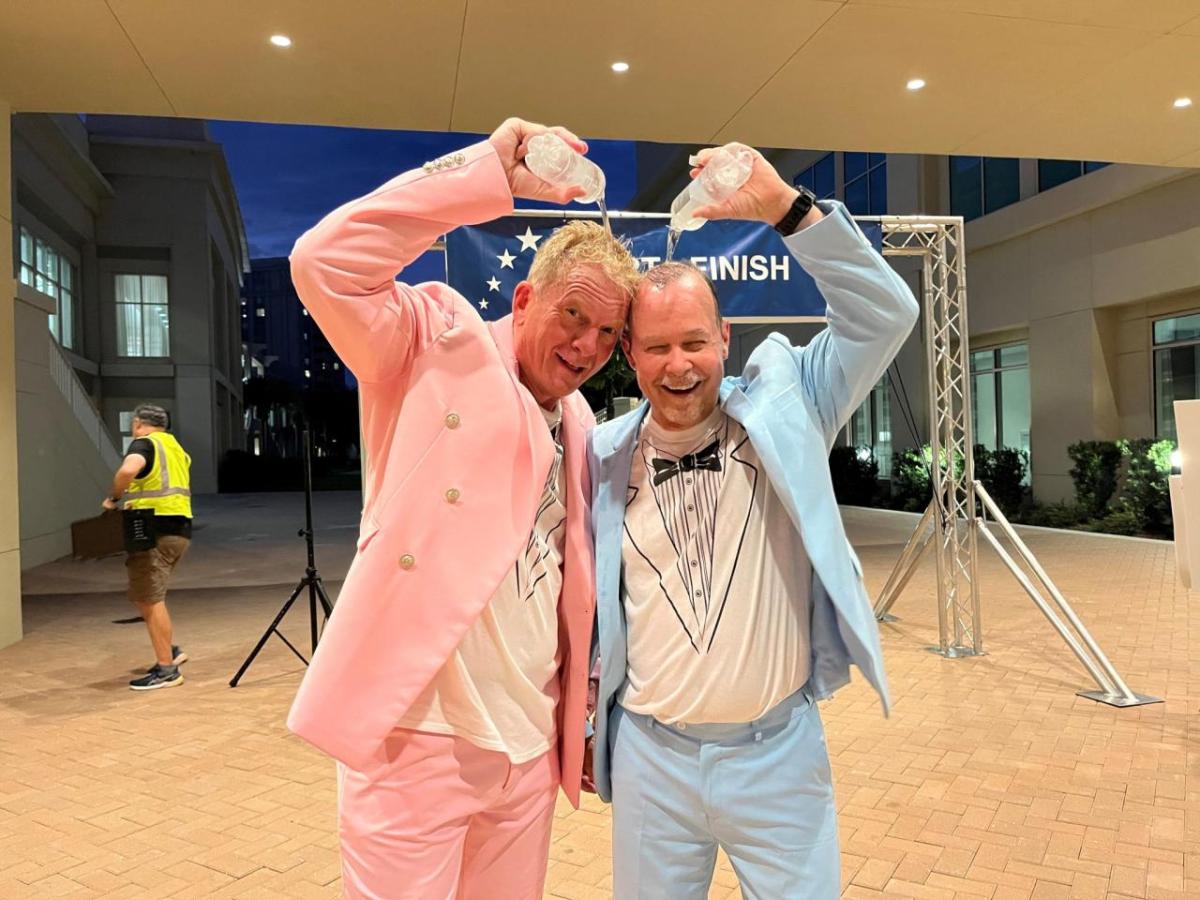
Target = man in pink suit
(451,682)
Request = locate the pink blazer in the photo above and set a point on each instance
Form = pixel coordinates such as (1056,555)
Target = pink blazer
(458,455)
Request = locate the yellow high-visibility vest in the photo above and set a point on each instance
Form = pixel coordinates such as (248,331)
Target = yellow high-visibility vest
(166,489)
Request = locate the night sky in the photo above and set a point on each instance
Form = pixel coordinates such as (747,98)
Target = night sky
(289,176)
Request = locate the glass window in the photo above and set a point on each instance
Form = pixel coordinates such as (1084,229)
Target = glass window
(866,183)
(143,315)
(1014,355)
(980,185)
(855,165)
(1000,402)
(45,269)
(966,186)
(1178,328)
(819,178)
(1176,368)
(878,183)
(1015,411)
(1001,183)
(983,421)
(1053,172)
(871,426)
(858,197)
(983,359)
(825,181)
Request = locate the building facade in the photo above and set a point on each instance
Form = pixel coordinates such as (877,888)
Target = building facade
(128,253)
(1083,296)
(296,366)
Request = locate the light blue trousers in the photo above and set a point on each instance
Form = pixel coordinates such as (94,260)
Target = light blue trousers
(762,792)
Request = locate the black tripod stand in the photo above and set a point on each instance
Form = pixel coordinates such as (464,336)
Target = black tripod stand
(311,580)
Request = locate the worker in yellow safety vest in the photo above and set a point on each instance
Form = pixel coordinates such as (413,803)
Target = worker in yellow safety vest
(156,475)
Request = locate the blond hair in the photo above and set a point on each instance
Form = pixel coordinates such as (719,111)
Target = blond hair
(580,243)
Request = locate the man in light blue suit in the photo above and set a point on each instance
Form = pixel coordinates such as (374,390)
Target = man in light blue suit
(728,598)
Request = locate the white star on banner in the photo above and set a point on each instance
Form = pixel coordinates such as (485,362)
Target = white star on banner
(506,260)
(483,304)
(493,283)
(529,240)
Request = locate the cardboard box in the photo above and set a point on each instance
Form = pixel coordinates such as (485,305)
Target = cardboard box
(98,537)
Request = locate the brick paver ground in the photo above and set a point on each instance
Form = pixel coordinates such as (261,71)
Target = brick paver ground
(990,779)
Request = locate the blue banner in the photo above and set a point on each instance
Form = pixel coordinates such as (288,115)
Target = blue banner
(757,278)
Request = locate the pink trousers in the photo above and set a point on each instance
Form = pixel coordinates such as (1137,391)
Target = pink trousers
(434,817)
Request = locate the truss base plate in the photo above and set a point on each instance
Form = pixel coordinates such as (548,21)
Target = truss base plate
(955,652)
(1118,699)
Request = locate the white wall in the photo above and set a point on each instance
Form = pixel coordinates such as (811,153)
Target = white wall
(63,477)
(1082,270)
(10,549)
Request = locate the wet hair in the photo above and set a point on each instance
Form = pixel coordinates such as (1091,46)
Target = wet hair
(581,243)
(665,273)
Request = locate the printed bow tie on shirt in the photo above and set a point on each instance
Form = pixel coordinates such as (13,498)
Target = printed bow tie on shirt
(708,458)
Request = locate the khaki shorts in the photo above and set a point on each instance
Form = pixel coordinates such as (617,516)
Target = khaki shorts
(150,570)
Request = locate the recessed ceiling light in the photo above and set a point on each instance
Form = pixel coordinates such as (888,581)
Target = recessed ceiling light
(620,67)
(915,84)
(1183,102)
(281,40)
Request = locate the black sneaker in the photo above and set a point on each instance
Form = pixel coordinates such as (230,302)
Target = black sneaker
(158,677)
(178,657)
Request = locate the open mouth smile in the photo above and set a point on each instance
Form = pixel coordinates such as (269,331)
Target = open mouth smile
(681,392)
(575,370)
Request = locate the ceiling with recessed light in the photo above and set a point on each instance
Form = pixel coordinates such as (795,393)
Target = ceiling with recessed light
(1080,79)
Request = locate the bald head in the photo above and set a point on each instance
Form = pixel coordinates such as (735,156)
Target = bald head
(677,344)
(694,279)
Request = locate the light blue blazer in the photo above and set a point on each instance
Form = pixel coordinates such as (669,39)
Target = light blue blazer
(792,401)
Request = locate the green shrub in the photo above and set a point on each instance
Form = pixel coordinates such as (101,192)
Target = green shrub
(1146,494)
(910,479)
(1095,474)
(1002,473)
(855,474)
(1054,515)
(1116,522)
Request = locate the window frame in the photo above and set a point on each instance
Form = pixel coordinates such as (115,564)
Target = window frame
(875,162)
(870,408)
(119,270)
(65,256)
(995,369)
(1155,349)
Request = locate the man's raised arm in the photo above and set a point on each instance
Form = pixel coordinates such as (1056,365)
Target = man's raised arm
(345,267)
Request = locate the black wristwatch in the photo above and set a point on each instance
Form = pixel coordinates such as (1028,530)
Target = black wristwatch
(799,209)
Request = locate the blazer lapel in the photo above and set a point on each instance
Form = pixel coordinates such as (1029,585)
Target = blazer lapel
(541,447)
(615,461)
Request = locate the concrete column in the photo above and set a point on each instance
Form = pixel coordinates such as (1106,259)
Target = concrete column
(10,528)
(1072,392)
(1028,173)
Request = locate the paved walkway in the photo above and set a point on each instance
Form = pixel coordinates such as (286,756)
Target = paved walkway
(991,778)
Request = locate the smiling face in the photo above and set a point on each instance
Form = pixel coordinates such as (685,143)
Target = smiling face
(565,331)
(678,347)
